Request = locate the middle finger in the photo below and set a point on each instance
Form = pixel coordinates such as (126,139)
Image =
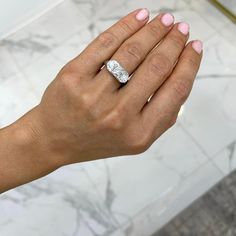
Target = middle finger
(156,68)
(133,51)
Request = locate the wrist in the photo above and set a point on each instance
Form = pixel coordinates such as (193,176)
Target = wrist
(24,156)
(32,135)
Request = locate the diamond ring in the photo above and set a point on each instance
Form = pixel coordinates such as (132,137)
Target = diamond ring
(117,71)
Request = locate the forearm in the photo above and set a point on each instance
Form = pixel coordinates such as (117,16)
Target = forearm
(23,158)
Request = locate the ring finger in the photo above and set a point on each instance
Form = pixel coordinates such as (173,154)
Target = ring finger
(156,67)
(134,50)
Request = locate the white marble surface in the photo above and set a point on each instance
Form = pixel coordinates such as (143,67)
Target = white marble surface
(123,196)
(229,4)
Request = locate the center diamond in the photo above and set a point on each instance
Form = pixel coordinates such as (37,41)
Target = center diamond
(117,71)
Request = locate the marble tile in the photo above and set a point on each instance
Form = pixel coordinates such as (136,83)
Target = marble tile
(229,107)
(209,13)
(43,208)
(25,47)
(212,214)
(207,116)
(122,183)
(183,150)
(8,66)
(229,33)
(106,17)
(73,46)
(157,214)
(183,11)
(158,6)
(161,167)
(197,23)
(118,233)
(46,33)
(229,4)
(132,195)
(218,59)
(42,72)
(64,203)
(17,98)
(226,158)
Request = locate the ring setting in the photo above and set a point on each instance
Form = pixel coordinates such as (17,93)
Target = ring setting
(117,71)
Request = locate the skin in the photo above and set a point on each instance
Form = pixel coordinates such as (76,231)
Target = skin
(85,114)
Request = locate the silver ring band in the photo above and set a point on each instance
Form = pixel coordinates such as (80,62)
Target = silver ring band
(117,71)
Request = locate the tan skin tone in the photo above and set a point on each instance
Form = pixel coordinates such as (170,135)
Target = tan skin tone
(85,114)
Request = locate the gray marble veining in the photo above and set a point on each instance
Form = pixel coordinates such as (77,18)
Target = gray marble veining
(125,196)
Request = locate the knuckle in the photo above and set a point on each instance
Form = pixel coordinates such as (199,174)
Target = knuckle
(177,41)
(140,144)
(106,39)
(173,120)
(125,27)
(133,49)
(73,66)
(86,101)
(88,106)
(181,89)
(154,29)
(69,80)
(160,65)
(113,121)
(191,62)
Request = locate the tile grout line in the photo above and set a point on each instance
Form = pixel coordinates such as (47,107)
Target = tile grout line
(151,202)
(202,149)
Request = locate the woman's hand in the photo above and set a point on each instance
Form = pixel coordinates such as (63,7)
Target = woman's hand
(86,114)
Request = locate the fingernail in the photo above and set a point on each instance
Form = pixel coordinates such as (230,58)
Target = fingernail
(142,14)
(167,19)
(197,46)
(183,28)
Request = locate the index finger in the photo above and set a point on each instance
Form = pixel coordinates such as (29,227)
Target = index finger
(105,45)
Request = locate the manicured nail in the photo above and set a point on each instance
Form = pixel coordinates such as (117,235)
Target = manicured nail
(197,46)
(167,19)
(142,14)
(183,28)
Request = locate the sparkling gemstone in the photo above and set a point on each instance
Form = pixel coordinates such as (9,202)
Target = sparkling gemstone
(118,71)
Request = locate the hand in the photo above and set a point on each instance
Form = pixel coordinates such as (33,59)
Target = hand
(85,113)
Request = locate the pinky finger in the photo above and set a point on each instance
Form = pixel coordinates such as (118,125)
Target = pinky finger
(161,112)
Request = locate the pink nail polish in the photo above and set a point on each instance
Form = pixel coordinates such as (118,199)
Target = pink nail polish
(167,19)
(197,46)
(183,28)
(142,15)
